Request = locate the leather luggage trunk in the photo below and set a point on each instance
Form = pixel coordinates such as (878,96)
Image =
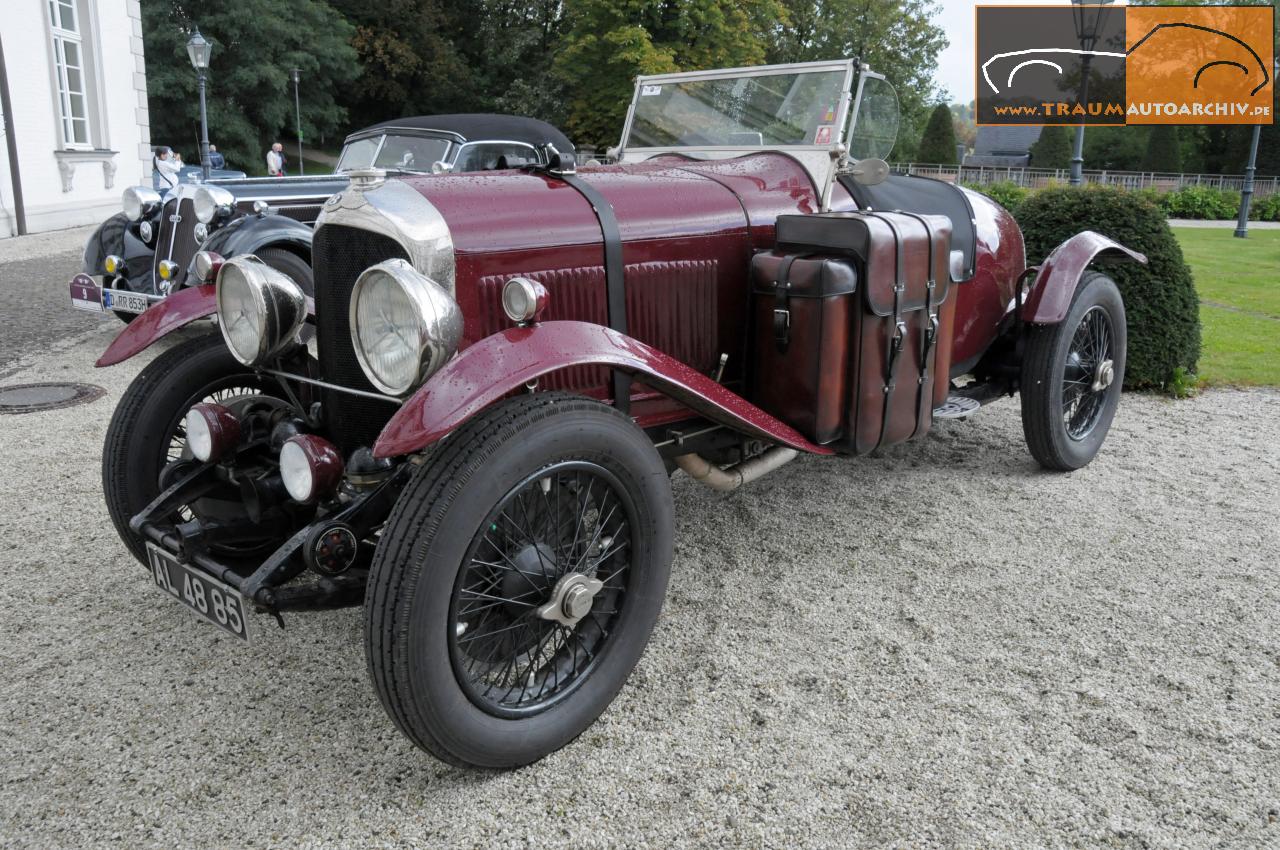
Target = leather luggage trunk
(801,370)
(898,328)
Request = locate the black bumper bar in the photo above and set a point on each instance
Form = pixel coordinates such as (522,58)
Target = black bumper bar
(267,586)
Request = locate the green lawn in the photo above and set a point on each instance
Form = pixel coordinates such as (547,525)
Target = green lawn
(1239,285)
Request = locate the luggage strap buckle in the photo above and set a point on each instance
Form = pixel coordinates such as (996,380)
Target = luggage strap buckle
(782,327)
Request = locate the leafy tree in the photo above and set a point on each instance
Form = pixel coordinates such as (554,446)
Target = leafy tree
(1268,149)
(607,43)
(1164,151)
(250,94)
(1114,148)
(938,145)
(897,38)
(1052,149)
(410,64)
(513,57)
(963,122)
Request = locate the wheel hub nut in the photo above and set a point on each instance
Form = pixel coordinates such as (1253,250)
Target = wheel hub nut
(1103,375)
(571,600)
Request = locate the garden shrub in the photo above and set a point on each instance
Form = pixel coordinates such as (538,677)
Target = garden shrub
(1160,299)
(1201,202)
(1265,209)
(1006,193)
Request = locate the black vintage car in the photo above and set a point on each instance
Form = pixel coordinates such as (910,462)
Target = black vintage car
(159,244)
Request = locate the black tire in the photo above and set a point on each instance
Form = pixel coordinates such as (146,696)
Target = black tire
(412,630)
(290,264)
(145,423)
(124,317)
(1064,419)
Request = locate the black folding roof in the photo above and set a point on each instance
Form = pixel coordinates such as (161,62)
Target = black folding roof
(480,126)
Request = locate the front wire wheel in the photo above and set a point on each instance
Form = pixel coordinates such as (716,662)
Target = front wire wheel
(538,594)
(1072,375)
(518,579)
(147,429)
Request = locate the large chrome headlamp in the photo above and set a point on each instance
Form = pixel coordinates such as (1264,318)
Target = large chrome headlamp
(260,310)
(404,326)
(139,202)
(213,202)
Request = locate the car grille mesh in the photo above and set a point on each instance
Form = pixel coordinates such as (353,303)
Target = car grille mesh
(339,254)
(176,241)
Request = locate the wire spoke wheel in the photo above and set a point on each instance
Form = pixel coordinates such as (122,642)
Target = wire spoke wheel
(1072,374)
(518,579)
(1087,378)
(147,438)
(544,580)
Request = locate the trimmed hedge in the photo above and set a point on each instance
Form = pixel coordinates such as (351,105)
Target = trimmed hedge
(1201,202)
(1160,299)
(1006,193)
(1195,202)
(1265,209)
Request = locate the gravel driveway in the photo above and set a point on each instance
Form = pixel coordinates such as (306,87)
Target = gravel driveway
(941,646)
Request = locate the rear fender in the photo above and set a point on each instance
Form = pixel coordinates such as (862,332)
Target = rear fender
(485,372)
(162,318)
(1055,284)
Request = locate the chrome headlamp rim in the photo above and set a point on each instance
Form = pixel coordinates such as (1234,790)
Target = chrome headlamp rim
(212,203)
(139,202)
(439,323)
(278,302)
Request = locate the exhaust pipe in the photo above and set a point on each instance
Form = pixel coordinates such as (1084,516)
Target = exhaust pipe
(731,478)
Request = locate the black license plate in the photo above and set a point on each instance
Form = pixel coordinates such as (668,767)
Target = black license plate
(211,599)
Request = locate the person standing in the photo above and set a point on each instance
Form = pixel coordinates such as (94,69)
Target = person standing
(216,160)
(276,161)
(167,167)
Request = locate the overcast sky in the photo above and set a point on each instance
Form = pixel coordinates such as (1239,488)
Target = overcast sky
(956,63)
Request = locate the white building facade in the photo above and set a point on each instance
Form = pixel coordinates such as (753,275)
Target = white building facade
(78,91)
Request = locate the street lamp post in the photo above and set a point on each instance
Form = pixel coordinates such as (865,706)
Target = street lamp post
(297,109)
(1246,191)
(1088,15)
(199,50)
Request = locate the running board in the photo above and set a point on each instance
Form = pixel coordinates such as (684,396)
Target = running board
(968,400)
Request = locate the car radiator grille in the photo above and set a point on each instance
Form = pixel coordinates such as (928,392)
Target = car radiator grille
(176,240)
(338,255)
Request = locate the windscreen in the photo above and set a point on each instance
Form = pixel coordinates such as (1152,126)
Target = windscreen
(396,153)
(358,154)
(745,111)
(875,124)
(411,153)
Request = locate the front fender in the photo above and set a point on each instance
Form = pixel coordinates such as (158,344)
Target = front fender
(107,239)
(161,318)
(1055,284)
(485,372)
(251,233)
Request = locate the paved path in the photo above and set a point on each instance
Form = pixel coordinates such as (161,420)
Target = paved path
(1204,223)
(35,312)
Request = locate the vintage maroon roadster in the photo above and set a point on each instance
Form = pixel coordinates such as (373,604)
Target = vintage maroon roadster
(471,429)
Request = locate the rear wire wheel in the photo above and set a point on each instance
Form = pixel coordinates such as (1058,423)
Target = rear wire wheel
(1072,376)
(518,579)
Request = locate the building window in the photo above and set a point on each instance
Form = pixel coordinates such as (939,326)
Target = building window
(69,59)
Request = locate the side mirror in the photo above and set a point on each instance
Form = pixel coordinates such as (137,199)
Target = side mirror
(870,171)
(441,167)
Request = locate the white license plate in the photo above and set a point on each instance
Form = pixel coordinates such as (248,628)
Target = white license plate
(125,302)
(202,593)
